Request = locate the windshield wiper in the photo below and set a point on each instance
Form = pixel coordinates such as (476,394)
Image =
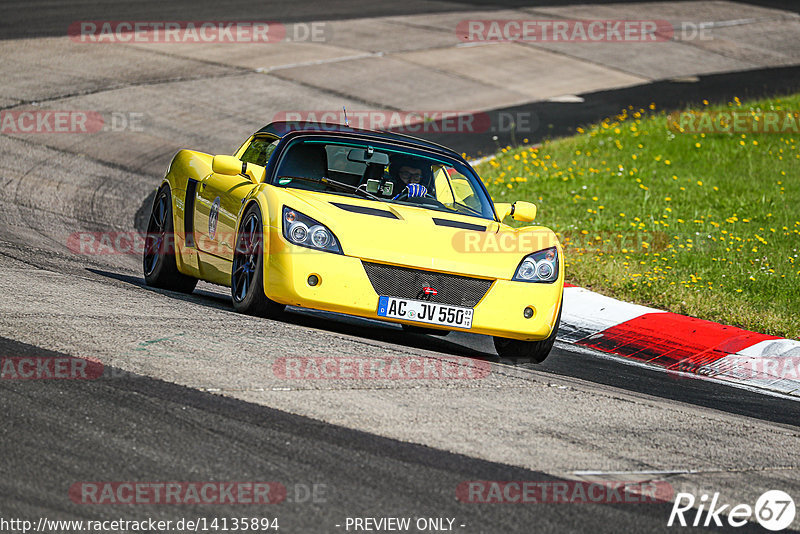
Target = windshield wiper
(334,183)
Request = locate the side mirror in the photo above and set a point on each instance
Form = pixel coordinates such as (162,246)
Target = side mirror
(520,210)
(523,211)
(229,165)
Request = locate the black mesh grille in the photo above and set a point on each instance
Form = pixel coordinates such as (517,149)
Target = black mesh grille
(391,281)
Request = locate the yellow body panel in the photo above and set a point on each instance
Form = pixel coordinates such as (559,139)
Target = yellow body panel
(412,239)
(345,288)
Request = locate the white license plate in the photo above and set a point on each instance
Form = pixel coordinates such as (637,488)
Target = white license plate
(425,312)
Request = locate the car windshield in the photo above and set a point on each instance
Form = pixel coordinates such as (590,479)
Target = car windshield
(383,174)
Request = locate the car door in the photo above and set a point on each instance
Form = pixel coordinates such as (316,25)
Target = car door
(218,199)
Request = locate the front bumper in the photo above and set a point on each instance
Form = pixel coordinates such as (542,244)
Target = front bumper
(344,287)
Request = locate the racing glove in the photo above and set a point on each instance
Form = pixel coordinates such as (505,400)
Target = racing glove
(416,190)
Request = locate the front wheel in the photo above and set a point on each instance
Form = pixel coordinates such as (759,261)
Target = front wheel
(158,261)
(247,274)
(524,351)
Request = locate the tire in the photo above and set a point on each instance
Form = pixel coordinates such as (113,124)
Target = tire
(247,272)
(158,260)
(413,329)
(527,351)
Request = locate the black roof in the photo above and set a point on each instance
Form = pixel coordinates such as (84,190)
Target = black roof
(282,128)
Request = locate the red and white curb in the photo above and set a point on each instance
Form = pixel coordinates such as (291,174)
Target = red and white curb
(680,344)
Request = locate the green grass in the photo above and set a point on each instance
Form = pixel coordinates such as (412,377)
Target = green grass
(701,224)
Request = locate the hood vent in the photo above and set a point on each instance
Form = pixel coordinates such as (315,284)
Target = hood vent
(364,210)
(459,224)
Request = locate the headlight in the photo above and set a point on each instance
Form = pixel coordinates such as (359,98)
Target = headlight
(540,267)
(302,230)
(320,236)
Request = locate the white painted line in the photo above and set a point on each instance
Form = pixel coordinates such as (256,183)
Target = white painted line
(566,99)
(655,472)
(319,62)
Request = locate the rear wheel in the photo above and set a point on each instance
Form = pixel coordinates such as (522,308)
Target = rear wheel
(247,274)
(527,351)
(158,261)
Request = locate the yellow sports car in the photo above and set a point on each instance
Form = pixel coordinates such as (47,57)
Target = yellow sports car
(366,223)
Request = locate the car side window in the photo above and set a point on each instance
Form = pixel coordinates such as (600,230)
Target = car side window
(259,151)
(455,191)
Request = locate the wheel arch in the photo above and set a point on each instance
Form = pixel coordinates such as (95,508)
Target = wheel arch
(259,202)
(185,165)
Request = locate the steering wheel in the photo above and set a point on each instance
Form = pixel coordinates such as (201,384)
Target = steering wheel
(404,195)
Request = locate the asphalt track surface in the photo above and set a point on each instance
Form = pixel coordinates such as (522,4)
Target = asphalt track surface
(547,120)
(203,404)
(146,429)
(41,18)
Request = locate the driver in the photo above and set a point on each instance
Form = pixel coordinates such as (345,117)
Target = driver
(407,174)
